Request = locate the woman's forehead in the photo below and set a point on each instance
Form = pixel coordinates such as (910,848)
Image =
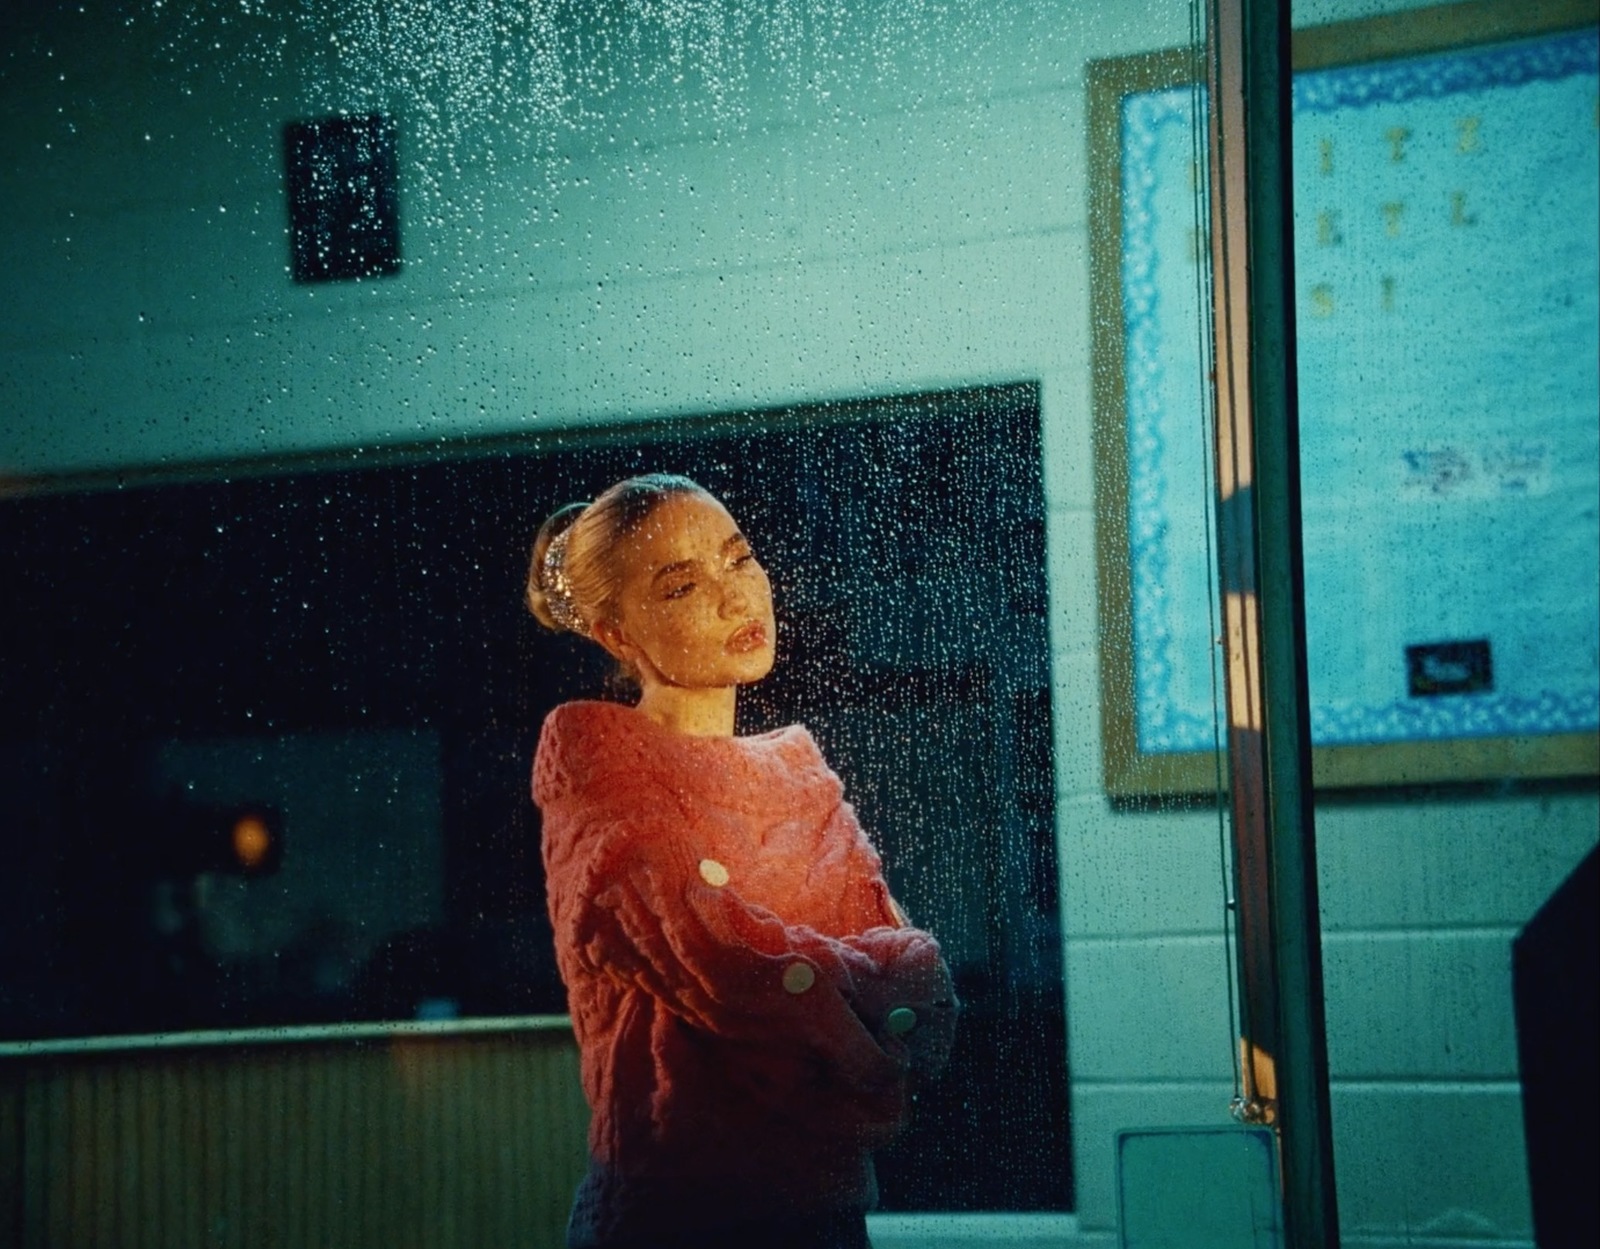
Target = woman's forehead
(682,526)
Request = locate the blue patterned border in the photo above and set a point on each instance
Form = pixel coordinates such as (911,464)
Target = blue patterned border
(1458,715)
(1162,725)
(1433,77)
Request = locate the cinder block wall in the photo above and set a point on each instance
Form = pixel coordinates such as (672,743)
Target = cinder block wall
(915,219)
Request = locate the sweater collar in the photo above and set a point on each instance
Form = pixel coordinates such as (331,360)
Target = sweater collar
(611,750)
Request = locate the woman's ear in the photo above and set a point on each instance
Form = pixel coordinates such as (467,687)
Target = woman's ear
(631,656)
(610,636)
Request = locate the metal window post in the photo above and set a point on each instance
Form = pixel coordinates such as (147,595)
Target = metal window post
(1283,1038)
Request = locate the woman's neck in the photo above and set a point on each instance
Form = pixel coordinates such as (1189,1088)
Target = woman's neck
(694,712)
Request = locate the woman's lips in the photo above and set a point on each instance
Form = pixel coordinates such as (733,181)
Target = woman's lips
(751,637)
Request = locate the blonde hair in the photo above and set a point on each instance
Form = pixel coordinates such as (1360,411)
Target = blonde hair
(578,587)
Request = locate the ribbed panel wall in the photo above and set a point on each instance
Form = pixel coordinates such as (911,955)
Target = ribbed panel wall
(431,1143)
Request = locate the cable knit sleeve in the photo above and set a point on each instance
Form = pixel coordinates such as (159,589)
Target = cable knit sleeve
(737,971)
(918,980)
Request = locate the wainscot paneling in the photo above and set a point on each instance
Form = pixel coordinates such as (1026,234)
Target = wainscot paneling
(402,1141)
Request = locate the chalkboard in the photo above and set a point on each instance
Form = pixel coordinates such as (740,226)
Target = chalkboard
(342,645)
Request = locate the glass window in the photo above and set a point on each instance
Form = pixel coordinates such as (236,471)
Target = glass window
(315,311)
(1445,173)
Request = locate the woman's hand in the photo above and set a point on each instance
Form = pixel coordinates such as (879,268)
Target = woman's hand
(909,1004)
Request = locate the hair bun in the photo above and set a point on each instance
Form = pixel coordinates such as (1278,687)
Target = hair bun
(548,596)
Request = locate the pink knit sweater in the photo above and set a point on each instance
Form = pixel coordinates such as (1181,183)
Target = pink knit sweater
(732,957)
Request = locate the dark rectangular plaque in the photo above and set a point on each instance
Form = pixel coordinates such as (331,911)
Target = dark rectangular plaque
(1449,668)
(344,217)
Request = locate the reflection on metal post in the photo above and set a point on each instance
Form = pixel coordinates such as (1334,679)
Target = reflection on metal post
(1283,1041)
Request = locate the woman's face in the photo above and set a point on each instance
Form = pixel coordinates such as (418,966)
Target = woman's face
(693,608)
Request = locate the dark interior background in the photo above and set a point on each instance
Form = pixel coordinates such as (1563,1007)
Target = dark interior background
(172,650)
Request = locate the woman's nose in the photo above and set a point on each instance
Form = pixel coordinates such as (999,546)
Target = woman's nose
(734,599)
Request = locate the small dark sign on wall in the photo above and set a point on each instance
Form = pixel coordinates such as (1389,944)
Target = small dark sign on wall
(344,217)
(1449,668)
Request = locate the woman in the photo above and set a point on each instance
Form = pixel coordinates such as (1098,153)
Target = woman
(750,1003)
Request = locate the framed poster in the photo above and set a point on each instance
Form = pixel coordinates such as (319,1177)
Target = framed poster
(1447,185)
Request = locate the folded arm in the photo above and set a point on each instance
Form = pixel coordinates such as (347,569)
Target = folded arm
(736,970)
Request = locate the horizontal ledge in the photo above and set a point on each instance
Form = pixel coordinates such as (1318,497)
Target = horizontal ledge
(301,1034)
(1221,1084)
(1331,935)
(1354,934)
(1405,1240)
(1446,1085)
(1187,936)
(993,1228)
(1427,1086)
